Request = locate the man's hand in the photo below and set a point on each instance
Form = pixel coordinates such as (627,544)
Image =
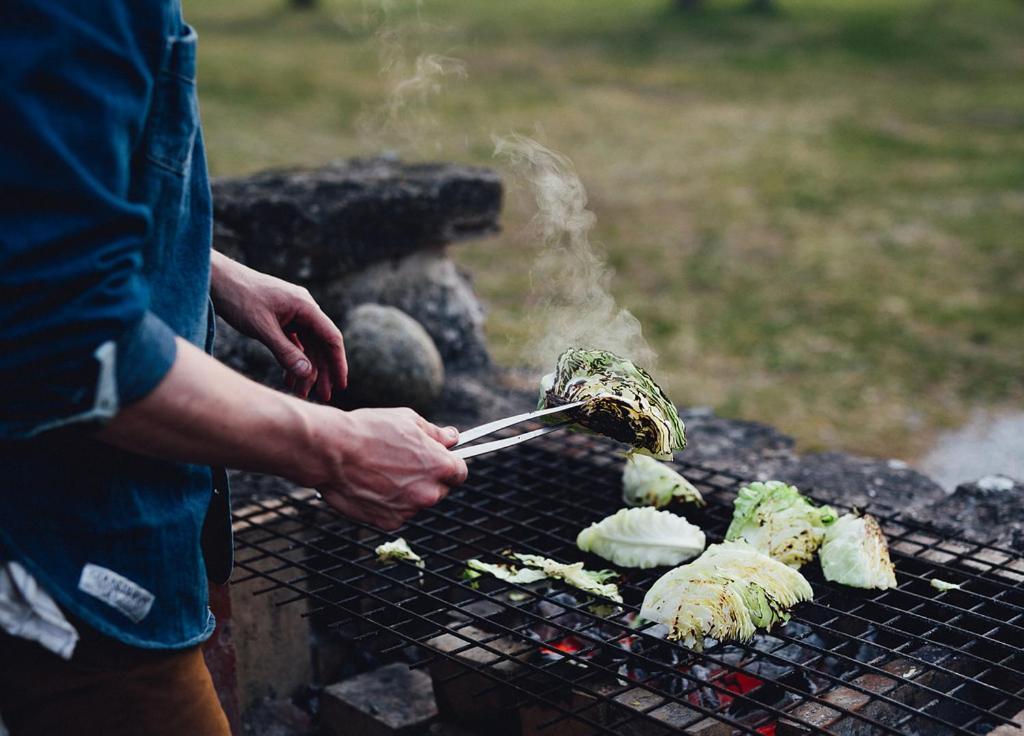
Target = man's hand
(286,319)
(379,466)
(389,464)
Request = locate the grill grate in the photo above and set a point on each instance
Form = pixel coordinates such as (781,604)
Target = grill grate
(899,661)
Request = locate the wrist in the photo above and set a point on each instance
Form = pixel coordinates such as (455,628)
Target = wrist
(320,443)
(225,276)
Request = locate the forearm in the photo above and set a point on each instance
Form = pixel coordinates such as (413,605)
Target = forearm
(224,273)
(204,412)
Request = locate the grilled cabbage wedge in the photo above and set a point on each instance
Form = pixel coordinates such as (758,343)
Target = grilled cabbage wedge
(623,401)
(727,593)
(777,520)
(643,538)
(855,553)
(647,482)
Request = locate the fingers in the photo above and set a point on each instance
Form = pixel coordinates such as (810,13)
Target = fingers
(324,338)
(452,470)
(447,436)
(456,472)
(291,357)
(324,384)
(304,383)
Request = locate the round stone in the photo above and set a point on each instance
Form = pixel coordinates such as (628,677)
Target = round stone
(392,361)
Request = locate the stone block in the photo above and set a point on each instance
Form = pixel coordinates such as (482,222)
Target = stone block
(316,225)
(429,288)
(468,697)
(390,701)
(815,716)
(391,360)
(272,643)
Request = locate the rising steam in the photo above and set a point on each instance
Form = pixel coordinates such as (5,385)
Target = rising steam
(571,305)
(425,81)
(406,117)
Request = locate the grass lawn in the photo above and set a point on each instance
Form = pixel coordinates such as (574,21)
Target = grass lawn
(818,216)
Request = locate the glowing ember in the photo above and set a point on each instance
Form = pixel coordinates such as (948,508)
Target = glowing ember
(567,645)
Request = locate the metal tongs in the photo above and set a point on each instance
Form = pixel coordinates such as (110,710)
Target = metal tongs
(483,430)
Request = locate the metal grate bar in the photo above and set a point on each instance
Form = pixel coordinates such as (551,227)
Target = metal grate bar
(523,543)
(968,670)
(836,680)
(475,643)
(393,627)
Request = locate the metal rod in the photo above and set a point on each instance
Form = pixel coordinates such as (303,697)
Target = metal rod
(535,494)
(867,692)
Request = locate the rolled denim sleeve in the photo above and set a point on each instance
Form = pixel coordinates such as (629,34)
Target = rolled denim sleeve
(77,340)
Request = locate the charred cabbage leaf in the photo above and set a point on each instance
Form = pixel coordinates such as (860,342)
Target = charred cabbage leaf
(647,482)
(398,550)
(508,573)
(777,520)
(855,553)
(624,402)
(589,581)
(642,538)
(727,593)
(538,568)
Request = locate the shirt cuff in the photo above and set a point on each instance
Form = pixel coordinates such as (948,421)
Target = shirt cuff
(144,356)
(119,372)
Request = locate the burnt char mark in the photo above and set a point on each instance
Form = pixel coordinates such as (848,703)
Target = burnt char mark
(609,426)
(553,399)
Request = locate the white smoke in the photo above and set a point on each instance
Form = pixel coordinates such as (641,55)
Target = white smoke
(424,81)
(407,118)
(571,305)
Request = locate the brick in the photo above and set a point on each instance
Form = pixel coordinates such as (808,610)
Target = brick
(820,716)
(468,697)
(271,642)
(534,716)
(390,701)
(676,716)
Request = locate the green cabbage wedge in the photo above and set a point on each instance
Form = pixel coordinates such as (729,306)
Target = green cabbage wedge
(624,402)
(778,521)
(727,594)
(642,538)
(855,553)
(647,482)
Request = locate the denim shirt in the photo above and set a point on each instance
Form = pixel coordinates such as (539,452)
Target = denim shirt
(105,228)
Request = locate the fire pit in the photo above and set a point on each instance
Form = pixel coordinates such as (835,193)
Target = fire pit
(902,661)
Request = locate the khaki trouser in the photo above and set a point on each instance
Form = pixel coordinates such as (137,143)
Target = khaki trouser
(107,688)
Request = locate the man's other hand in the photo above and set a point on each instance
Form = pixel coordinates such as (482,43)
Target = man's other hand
(285,318)
(384,465)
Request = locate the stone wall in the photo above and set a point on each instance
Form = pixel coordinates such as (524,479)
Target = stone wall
(369,232)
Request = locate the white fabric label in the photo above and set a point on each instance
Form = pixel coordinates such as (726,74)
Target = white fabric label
(116,591)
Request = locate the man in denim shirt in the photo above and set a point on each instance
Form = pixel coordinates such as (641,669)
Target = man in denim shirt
(111,409)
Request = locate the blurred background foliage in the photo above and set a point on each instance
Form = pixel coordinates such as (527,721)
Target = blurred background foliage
(817,213)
